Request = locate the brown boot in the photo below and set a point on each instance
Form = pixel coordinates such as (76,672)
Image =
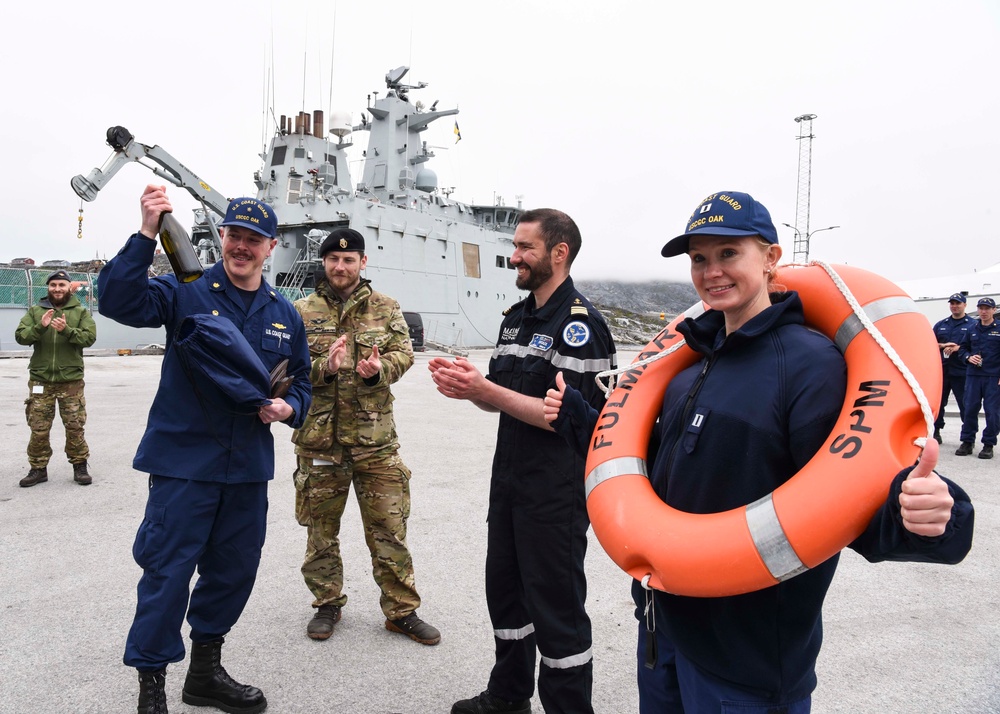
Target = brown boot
(80,474)
(35,476)
(414,628)
(320,627)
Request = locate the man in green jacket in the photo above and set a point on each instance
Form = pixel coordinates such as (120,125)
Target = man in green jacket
(359,344)
(57,328)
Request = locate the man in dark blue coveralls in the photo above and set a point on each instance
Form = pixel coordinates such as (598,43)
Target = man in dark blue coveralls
(950,333)
(209,463)
(537,533)
(981,349)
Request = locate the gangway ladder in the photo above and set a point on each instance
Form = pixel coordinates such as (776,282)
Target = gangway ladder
(306,260)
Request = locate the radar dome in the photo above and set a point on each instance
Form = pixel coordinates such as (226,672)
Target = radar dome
(340,123)
(426,181)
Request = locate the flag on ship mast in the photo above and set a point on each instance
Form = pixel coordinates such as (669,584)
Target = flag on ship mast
(458,134)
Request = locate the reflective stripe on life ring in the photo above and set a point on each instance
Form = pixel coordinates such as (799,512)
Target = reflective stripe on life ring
(816,513)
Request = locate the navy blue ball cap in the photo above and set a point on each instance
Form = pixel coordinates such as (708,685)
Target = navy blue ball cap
(986,302)
(727,213)
(253,214)
(342,239)
(58,275)
(957,297)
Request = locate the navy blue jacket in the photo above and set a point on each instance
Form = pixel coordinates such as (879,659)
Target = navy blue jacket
(951,330)
(985,341)
(566,334)
(188,435)
(768,396)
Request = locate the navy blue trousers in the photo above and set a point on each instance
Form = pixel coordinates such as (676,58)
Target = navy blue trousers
(951,384)
(536,589)
(215,528)
(981,391)
(675,685)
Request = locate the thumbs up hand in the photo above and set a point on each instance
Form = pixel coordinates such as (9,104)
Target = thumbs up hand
(554,399)
(924,501)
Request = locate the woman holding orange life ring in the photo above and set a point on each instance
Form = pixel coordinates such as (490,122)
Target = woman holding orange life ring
(733,428)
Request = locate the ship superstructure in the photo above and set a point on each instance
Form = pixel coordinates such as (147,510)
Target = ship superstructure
(447,260)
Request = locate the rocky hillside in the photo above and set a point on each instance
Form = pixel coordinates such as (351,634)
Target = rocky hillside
(633,309)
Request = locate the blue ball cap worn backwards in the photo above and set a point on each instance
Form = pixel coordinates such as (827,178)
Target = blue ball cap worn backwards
(253,214)
(727,213)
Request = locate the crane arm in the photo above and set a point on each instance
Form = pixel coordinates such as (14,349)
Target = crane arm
(127,149)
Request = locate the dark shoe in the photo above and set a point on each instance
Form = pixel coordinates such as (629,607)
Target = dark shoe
(152,698)
(80,474)
(965,449)
(486,703)
(35,476)
(320,627)
(414,628)
(937,435)
(208,684)
(987,452)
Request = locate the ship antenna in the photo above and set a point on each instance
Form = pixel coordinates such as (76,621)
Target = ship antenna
(333,53)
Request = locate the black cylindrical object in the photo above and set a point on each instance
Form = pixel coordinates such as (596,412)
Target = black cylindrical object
(179,249)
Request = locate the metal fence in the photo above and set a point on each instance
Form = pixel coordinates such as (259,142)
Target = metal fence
(21,288)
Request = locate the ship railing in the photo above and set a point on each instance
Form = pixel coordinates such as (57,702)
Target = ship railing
(444,337)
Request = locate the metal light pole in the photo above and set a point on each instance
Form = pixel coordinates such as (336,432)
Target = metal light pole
(800,240)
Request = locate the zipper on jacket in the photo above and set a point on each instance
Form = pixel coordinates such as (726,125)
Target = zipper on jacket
(685,412)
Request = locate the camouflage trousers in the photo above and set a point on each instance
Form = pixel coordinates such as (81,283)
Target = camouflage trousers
(382,487)
(40,410)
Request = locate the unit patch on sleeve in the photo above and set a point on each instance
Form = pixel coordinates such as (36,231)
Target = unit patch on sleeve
(576,334)
(540,342)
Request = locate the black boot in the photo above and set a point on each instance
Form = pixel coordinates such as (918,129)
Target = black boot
(152,698)
(208,684)
(81,475)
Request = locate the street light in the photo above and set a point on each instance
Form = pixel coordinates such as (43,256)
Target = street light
(798,239)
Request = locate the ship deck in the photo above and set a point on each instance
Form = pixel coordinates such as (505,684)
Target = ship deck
(900,638)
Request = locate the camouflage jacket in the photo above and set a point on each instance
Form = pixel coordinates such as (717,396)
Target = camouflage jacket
(57,356)
(346,409)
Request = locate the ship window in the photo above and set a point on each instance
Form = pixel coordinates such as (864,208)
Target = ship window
(509,264)
(300,153)
(278,155)
(470,255)
(501,217)
(500,260)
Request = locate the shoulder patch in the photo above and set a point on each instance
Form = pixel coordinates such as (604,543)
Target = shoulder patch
(576,334)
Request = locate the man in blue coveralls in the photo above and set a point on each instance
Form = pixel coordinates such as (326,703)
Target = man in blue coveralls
(981,350)
(950,333)
(209,463)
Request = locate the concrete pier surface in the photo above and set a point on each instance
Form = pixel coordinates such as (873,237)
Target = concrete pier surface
(900,638)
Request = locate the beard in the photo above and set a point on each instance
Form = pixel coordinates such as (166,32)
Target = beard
(535,277)
(58,301)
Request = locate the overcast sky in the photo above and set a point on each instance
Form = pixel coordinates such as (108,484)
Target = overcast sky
(622,114)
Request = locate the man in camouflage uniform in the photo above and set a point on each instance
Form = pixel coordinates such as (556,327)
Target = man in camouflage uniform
(359,345)
(57,328)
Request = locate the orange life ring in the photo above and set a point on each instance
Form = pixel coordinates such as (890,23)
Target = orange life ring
(812,516)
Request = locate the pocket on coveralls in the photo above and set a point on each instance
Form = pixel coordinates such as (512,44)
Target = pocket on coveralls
(146,549)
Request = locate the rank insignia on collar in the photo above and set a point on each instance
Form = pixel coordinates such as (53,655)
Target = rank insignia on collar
(576,334)
(540,342)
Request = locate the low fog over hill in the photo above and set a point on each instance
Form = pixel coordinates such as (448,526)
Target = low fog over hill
(633,309)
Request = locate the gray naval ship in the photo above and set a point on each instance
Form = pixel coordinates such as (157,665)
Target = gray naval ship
(446,260)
